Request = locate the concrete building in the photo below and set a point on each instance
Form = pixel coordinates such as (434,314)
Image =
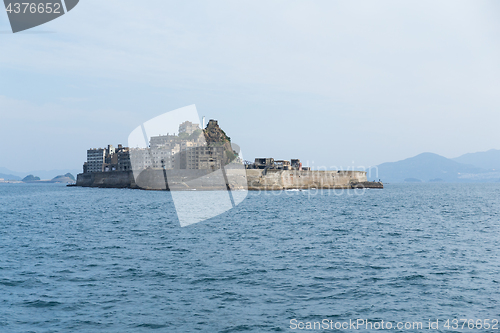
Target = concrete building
(202,157)
(188,127)
(261,163)
(168,141)
(110,159)
(161,158)
(105,160)
(123,158)
(296,164)
(270,163)
(164,151)
(282,165)
(140,158)
(95,159)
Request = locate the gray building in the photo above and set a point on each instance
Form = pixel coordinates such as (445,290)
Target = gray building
(140,158)
(161,158)
(108,159)
(165,151)
(203,157)
(123,159)
(95,160)
(188,127)
(168,141)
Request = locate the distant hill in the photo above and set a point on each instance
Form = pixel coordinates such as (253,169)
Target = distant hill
(9,174)
(489,160)
(30,178)
(67,178)
(412,180)
(43,174)
(9,177)
(70,176)
(430,167)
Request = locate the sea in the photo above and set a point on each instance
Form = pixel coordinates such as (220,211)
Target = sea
(117,260)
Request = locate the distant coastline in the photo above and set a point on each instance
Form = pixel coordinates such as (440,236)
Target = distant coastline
(68,178)
(482,167)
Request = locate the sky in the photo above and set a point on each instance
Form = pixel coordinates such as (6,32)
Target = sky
(334,83)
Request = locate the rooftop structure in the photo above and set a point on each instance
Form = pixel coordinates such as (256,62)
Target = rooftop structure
(271,163)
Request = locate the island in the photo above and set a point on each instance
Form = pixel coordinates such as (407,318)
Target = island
(204,159)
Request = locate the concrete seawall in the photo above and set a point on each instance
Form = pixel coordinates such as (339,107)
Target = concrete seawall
(294,179)
(257,179)
(113,179)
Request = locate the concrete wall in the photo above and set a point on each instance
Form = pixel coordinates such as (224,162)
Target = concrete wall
(293,179)
(114,179)
(256,179)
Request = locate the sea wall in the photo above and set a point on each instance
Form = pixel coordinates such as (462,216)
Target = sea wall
(113,179)
(256,179)
(295,179)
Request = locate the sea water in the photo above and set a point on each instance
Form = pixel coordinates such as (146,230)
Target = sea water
(116,260)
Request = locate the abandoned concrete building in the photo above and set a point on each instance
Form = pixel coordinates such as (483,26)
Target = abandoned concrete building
(271,163)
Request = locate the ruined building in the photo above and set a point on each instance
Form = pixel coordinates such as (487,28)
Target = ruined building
(192,149)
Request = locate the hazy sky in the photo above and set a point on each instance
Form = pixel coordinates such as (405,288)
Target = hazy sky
(326,81)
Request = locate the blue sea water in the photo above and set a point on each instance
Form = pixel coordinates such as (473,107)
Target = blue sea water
(116,260)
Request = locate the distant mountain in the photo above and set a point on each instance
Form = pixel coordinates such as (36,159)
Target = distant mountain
(30,178)
(9,177)
(67,178)
(49,174)
(43,174)
(489,160)
(431,167)
(70,176)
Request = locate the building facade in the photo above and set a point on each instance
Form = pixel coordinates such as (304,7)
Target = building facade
(123,159)
(95,160)
(188,127)
(170,151)
(202,157)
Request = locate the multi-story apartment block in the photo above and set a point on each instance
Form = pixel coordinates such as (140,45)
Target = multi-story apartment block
(202,157)
(140,158)
(168,151)
(123,158)
(188,127)
(95,160)
(167,141)
(110,160)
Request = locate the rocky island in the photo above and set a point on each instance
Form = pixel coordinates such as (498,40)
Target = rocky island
(204,159)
